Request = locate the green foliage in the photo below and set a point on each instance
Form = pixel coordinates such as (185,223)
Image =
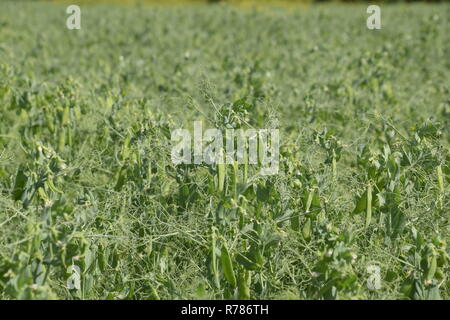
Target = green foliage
(86,177)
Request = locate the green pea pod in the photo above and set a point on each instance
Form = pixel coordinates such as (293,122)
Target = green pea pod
(245,168)
(440,179)
(61,139)
(243,288)
(52,186)
(221,172)
(432,267)
(42,194)
(120,178)
(227,266)
(50,121)
(234,178)
(102,263)
(369,205)
(214,268)
(126,147)
(306,231)
(309,200)
(65,116)
(20,183)
(334,165)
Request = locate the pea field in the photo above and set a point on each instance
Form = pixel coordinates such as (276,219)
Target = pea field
(360,205)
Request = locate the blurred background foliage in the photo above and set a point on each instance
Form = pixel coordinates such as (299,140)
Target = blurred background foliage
(246,2)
